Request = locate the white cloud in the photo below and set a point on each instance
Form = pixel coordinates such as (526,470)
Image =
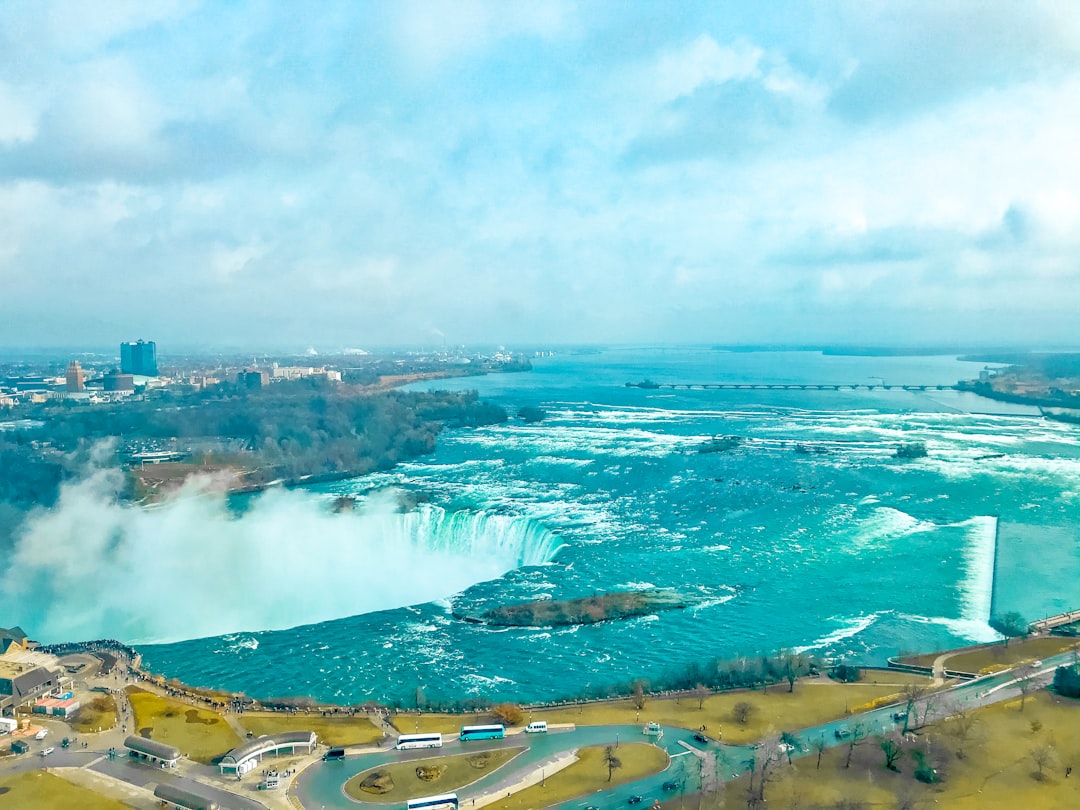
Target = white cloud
(680,72)
(432,32)
(528,171)
(18,118)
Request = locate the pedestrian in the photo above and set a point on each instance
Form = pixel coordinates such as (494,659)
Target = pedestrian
(1068,770)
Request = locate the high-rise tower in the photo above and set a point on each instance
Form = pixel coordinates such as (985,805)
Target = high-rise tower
(75,380)
(139,358)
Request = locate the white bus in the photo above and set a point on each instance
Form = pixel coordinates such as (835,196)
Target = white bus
(419,741)
(445,801)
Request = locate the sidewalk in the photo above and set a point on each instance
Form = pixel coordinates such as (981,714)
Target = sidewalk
(545,769)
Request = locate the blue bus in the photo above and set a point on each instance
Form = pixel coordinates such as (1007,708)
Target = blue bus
(482,733)
(444,801)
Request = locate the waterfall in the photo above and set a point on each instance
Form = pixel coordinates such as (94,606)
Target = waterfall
(977,586)
(95,567)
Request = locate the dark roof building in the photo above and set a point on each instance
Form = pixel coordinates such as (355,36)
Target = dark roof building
(152,750)
(184,797)
(243,758)
(12,639)
(20,684)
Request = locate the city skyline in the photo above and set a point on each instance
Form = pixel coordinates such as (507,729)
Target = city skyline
(484,174)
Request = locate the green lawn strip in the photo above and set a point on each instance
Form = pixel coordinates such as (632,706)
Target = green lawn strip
(588,775)
(1000,656)
(201,735)
(97,715)
(443,723)
(996,770)
(330,730)
(44,791)
(401,780)
(813,702)
(774,711)
(1020,649)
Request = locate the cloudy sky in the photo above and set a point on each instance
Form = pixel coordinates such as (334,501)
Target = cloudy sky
(362,173)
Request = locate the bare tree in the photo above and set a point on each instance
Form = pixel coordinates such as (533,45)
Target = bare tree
(791,670)
(1025,680)
(788,744)
(765,759)
(892,749)
(907,799)
(858,734)
(929,706)
(510,713)
(1042,756)
(819,745)
(701,691)
(1010,625)
(742,711)
(611,761)
(960,725)
(639,698)
(913,693)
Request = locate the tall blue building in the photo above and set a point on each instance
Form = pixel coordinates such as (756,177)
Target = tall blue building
(139,358)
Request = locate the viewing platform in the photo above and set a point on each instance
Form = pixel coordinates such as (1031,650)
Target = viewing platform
(1051,622)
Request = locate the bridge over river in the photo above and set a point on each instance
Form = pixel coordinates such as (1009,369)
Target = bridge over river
(650,385)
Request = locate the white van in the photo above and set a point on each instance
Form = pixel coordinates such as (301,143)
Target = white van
(536,727)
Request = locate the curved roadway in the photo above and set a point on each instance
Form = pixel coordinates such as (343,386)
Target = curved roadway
(319,787)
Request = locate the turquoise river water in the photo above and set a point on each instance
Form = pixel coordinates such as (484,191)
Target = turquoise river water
(809,535)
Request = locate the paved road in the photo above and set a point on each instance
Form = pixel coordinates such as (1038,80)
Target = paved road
(320,786)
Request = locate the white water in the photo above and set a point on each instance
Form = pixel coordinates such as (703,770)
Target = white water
(977,585)
(94,567)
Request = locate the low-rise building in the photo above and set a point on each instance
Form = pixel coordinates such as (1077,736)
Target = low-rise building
(13,640)
(21,685)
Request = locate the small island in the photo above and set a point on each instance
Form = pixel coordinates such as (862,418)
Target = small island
(586,610)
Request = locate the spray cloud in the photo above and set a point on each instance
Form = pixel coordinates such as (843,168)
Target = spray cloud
(96,567)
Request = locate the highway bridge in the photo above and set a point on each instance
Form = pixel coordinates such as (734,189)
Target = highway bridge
(649,384)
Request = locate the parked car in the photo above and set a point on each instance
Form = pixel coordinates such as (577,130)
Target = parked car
(842,733)
(41,734)
(701,738)
(899,717)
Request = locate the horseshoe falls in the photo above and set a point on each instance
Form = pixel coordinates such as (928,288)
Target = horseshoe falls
(803,530)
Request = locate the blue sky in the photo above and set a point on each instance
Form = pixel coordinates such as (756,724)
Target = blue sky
(355,174)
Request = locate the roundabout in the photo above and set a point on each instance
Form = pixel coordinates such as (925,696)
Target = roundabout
(527,763)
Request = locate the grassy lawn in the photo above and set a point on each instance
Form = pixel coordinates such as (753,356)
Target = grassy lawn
(997,654)
(812,702)
(200,735)
(588,775)
(996,771)
(774,711)
(402,780)
(100,713)
(43,791)
(1000,656)
(331,730)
